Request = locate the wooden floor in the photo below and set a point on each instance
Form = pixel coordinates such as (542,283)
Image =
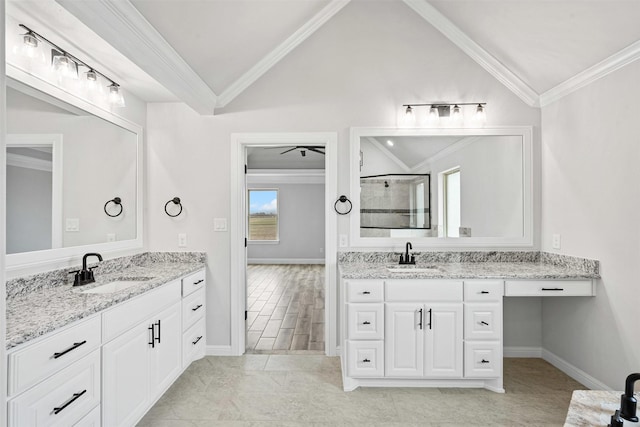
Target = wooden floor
(286,308)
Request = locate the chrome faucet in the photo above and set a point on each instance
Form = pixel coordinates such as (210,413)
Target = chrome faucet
(85,276)
(406,258)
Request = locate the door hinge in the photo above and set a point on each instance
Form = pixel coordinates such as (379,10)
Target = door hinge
(245,169)
(245,242)
(245,315)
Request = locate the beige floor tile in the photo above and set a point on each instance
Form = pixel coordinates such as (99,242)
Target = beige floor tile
(300,342)
(272,328)
(265,343)
(283,340)
(289,321)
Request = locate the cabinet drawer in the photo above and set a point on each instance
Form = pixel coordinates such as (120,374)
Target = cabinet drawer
(131,313)
(482,321)
(365,291)
(482,360)
(366,321)
(423,290)
(42,359)
(193,282)
(193,308)
(483,290)
(365,358)
(91,420)
(549,288)
(193,343)
(63,399)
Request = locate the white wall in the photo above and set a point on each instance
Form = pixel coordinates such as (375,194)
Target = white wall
(99,163)
(591,196)
(357,70)
(301,225)
(3,123)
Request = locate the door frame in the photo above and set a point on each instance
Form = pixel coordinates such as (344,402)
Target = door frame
(237,227)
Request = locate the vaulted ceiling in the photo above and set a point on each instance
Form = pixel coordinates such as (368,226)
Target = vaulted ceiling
(540,49)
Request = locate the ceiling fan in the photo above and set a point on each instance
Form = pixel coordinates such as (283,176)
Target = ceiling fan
(303,149)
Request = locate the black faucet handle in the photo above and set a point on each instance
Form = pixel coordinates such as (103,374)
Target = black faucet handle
(74,272)
(95,266)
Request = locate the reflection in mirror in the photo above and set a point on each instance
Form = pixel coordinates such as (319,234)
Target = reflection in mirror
(477,183)
(63,164)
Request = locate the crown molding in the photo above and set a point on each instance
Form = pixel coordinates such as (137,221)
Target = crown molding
(475,51)
(126,29)
(293,41)
(607,66)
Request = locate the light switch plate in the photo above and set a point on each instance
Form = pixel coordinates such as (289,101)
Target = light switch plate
(220,224)
(555,241)
(73,224)
(182,240)
(344,241)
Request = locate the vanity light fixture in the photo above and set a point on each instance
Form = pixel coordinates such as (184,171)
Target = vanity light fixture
(438,111)
(67,66)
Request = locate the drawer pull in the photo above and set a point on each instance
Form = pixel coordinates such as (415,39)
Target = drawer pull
(158,337)
(484,292)
(197,307)
(484,361)
(484,323)
(153,339)
(552,289)
(73,347)
(197,282)
(366,293)
(430,318)
(75,397)
(366,322)
(197,339)
(420,322)
(366,361)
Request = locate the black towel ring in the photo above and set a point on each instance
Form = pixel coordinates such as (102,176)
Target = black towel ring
(342,199)
(116,201)
(176,201)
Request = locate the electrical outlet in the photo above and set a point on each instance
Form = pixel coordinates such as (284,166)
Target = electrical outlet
(555,241)
(182,240)
(219,224)
(73,224)
(111,237)
(344,241)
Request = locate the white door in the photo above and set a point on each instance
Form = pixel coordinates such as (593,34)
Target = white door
(164,357)
(404,340)
(125,377)
(443,341)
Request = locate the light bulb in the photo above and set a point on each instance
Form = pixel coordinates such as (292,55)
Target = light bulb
(30,45)
(64,66)
(456,114)
(433,113)
(480,116)
(409,111)
(115,96)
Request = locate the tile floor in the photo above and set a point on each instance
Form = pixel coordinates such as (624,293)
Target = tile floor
(306,390)
(286,308)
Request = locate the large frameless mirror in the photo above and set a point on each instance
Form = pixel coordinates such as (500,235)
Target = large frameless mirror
(441,187)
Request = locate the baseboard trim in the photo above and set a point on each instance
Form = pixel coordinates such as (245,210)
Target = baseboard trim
(285,261)
(522,352)
(574,372)
(218,350)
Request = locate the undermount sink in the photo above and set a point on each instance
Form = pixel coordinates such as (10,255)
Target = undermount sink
(117,285)
(411,268)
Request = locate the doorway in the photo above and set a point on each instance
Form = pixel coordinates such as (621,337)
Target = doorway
(318,297)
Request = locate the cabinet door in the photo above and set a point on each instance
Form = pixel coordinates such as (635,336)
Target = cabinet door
(404,340)
(164,358)
(125,377)
(443,341)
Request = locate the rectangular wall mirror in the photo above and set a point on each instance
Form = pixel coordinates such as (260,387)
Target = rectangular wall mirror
(72,179)
(475,188)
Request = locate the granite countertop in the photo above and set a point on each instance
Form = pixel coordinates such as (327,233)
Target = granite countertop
(34,312)
(593,408)
(468,265)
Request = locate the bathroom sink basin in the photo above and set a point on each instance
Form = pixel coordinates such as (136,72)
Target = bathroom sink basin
(411,268)
(117,285)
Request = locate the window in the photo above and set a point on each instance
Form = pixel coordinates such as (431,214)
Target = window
(263,215)
(451,205)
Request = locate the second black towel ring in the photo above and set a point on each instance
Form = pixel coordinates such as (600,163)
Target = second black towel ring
(175,201)
(116,201)
(343,199)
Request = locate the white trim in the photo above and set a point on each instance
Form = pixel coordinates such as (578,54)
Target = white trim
(525,241)
(238,254)
(286,261)
(126,29)
(3,287)
(285,176)
(388,153)
(283,49)
(535,352)
(574,372)
(475,51)
(218,350)
(54,141)
(607,66)
(37,261)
